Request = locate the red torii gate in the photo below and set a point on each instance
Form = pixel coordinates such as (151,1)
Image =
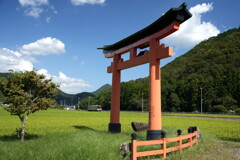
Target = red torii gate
(147,37)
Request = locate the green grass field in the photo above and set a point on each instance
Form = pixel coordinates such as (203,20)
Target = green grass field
(59,134)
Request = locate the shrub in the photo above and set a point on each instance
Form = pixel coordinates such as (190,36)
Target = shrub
(219,108)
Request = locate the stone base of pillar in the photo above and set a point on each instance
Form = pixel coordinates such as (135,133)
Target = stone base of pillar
(154,134)
(114,127)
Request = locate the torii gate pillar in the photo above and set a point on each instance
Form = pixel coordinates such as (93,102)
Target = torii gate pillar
(155,122)
(114,125)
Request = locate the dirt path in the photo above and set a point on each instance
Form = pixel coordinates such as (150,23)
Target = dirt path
(217,118)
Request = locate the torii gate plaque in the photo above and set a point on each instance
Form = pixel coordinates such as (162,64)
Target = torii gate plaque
(147,37)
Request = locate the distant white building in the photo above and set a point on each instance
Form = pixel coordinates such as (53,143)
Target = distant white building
(69,108)
(3,105)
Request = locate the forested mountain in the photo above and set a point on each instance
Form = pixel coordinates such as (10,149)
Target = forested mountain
(101,89)
(71,99)
(213,65)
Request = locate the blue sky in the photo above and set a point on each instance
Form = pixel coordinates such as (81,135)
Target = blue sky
(60,37)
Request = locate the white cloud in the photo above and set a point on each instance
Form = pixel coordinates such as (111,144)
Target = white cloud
(34,12)
(13,60)
(82,2)
(34,8)
(53,9)
(33,3)
(201,8)
(44,72)
(48,19)
(44,46)
(67,84)
(193,30)
(23,59)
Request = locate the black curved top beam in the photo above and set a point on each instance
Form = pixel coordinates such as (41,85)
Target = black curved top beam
(180,14)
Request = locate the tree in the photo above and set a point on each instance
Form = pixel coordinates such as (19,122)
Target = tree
(104,99)
(228,102)
(219,109)
(83,104)
(175,102)
(25,93)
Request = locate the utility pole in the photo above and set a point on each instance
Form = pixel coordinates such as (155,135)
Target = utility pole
(142,101)
(88,100)
(201,100)
(78,103)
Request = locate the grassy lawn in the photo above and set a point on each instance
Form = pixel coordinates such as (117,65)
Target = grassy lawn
(58,134)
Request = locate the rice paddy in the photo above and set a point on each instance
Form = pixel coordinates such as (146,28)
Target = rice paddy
(75,134)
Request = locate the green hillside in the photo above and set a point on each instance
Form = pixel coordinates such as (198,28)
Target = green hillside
(101,89)
(213,65)
(71,99)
